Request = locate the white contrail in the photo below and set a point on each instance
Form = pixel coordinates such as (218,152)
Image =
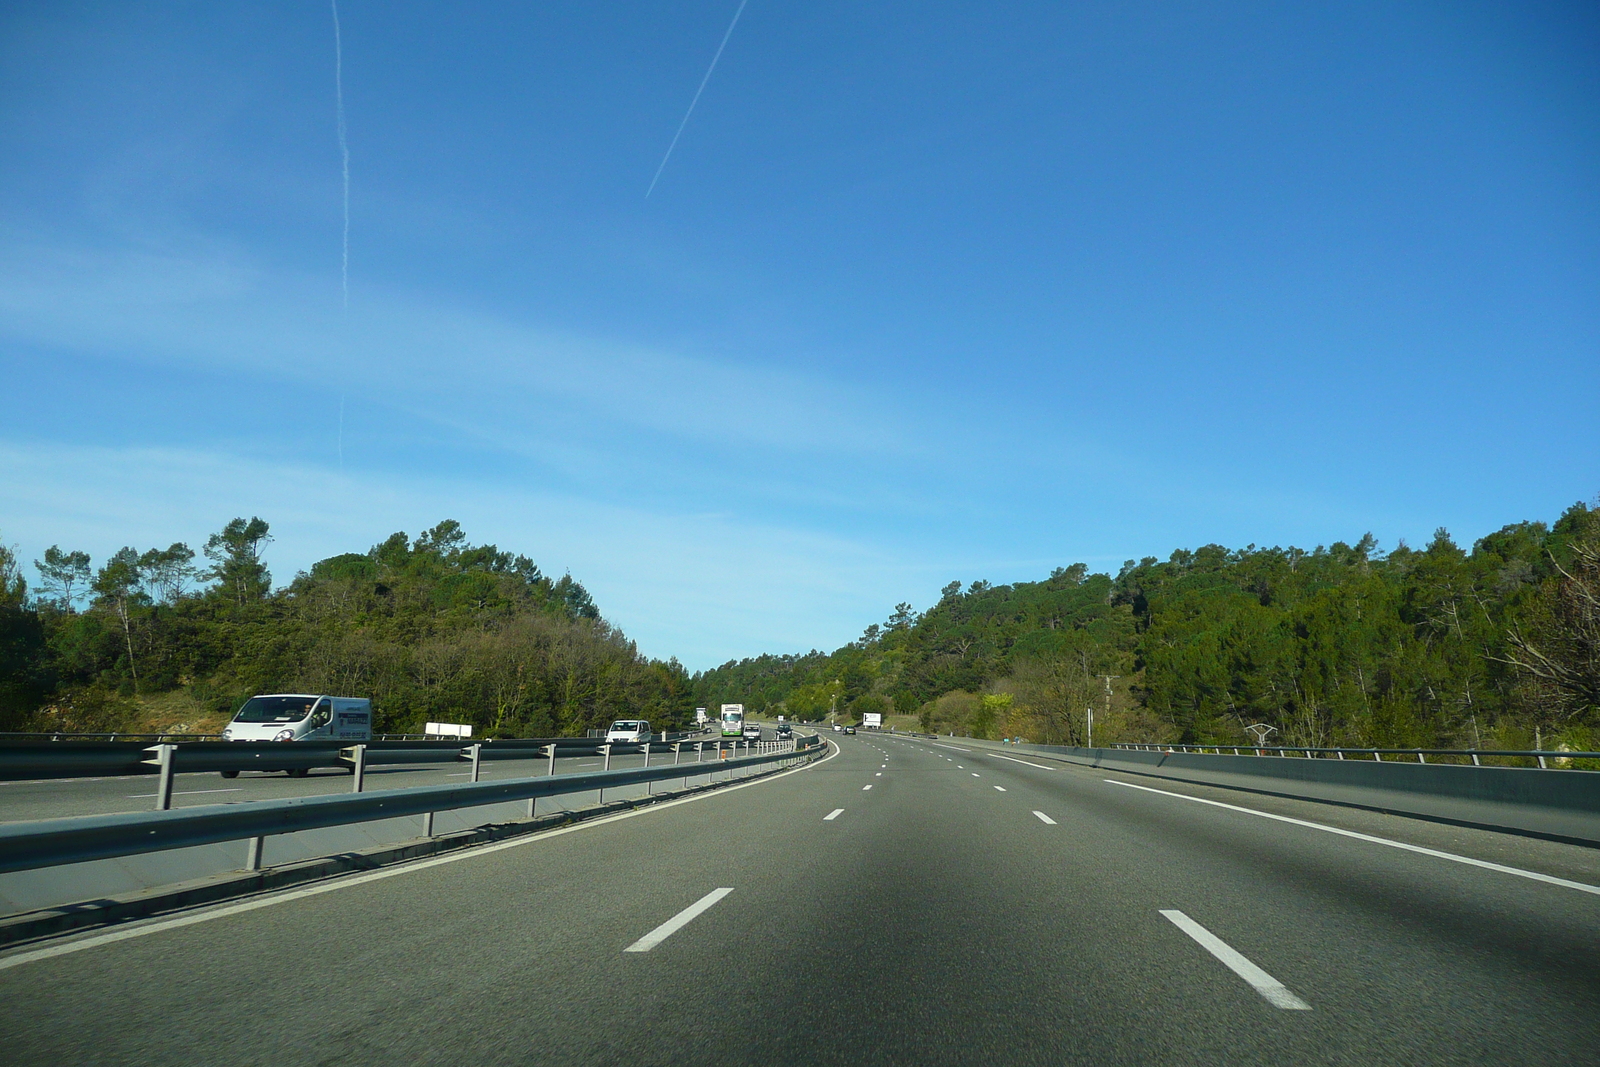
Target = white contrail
(341,433)
(696,99)
(344,148)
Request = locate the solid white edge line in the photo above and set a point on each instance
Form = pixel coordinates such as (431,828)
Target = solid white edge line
(1047,820)
(1013,759)
(677,922)
(1275,992)
(1420,850)
(191,792)
(348,881)
(832,815)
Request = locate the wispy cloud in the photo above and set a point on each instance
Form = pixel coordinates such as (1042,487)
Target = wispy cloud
(481,371)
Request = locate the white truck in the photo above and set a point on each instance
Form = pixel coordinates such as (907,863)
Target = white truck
(872,720)
(733,720)
(300,717)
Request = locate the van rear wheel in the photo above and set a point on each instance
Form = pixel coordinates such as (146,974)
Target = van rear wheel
(230,774)
(299,772)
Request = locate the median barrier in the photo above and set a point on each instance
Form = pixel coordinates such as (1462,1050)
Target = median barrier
(1561,805)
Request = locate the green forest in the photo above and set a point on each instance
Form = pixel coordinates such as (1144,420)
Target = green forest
(431,628)
(1489,647)
(1344,645)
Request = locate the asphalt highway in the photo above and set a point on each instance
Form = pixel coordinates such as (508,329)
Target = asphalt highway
(900,903)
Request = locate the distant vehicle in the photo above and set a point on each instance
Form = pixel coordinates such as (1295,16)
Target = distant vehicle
(300,717)
(752,731)
(628,730)
(849,729)
(732,720)
(700,717)
(785,731)
(872,720)
(837,728)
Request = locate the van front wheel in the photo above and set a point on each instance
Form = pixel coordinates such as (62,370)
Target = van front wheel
(230,774)
(299,772)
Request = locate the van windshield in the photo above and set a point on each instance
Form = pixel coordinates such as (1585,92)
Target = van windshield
(630,726)
(275,709)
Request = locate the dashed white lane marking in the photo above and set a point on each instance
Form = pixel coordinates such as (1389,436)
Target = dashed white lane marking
(1047,820)
(975,774)
(188,792)
(1025,763)
(877,774)
(866,787)
(1535,876)
(677,922)
(832,815)
(999,787)
(1269,987)
(953,748)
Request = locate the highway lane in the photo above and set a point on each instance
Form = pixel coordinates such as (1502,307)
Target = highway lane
(930,919)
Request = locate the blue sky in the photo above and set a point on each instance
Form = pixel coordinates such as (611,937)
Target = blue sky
(925,292)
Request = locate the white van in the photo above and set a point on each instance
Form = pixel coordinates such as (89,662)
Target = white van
(635,730)
(301,717)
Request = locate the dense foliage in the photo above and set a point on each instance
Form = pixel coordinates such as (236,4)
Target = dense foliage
(431,629)
(1340,645)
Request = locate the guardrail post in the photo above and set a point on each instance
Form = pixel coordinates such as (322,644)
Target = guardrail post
(606,750)
(1340,752)
(252,856)
(1378,756)
(360,768)
(427,824)
(647,786)
(164,783)
(1420,757)
(477,754)
(1475,762)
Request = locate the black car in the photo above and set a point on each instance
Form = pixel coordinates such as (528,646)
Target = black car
(849,729)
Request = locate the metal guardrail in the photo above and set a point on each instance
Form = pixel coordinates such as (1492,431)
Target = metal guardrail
(29,760)
(53,842)
(127,737)
(1378,754)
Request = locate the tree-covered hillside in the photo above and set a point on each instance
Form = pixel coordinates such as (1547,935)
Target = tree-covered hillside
(1341,645)
(431,629)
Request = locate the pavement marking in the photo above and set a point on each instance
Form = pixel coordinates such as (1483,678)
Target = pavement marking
(975,774)
(953,748)
(188,792)
(832,815)
(866,787)
(1535,876)
(877,774)
(677,922)
(1013,759)
(349,881)
(1275,992)
(1047,820)
(999,787)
